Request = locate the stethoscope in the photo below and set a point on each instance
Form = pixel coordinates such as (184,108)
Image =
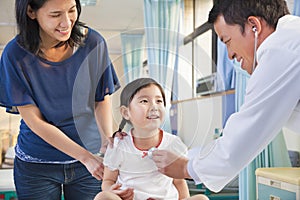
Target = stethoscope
(255,46)
(149,152)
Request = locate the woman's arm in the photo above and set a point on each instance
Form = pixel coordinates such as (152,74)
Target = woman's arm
(182,188)
(103,115)
(55,137)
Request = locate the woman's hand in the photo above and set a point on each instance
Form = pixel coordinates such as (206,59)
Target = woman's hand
(117,134)
(95,166)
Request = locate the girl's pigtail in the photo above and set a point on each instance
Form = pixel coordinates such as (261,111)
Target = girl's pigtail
(121,127)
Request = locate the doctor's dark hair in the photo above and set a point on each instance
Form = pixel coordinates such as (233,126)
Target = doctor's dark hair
(238,11)
(131,89)
(29,35)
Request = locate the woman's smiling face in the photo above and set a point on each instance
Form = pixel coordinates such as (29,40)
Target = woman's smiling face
(56,19)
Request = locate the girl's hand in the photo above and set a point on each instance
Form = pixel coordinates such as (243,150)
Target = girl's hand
(125,194)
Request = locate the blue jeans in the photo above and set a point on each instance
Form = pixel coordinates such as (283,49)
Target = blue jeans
(36,181)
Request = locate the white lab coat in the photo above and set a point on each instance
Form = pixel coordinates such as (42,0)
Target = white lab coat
(271,102)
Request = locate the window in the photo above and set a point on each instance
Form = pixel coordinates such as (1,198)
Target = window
(198,52)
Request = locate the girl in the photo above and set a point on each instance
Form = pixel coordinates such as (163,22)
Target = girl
(130,172)
(57,75)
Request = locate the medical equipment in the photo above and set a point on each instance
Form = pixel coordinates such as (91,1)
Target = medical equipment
(150,151)
(278,183)
(255,46)
(207,85)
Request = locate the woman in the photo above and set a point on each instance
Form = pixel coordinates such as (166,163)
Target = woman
(57,75)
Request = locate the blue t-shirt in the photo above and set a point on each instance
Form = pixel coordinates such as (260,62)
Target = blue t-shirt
(65,92)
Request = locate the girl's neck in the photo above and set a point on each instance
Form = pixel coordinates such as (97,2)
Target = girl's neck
(146,142)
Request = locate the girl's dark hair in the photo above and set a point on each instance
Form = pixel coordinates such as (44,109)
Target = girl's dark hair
(29,36)
(131,89)
(238,11)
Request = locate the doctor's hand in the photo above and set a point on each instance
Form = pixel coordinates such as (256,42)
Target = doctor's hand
(171,164)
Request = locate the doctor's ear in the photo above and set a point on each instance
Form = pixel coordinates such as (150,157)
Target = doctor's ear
(124,112)
(31,13)
(255,23)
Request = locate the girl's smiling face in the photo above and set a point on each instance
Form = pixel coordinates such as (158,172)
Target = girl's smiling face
(146,111)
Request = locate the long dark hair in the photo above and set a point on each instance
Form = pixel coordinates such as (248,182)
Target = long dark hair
(238,11)
(29,36)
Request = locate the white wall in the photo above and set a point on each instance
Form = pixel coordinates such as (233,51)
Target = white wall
(197,120)
(9,121)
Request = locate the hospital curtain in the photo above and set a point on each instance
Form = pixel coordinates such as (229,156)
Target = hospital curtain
(225,69)
(132,55)
(296,10)
(162,23)
(225,80)
(275,155)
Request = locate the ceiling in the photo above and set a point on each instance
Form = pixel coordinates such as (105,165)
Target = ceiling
(109,17)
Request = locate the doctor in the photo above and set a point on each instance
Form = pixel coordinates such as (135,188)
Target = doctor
(265,39)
